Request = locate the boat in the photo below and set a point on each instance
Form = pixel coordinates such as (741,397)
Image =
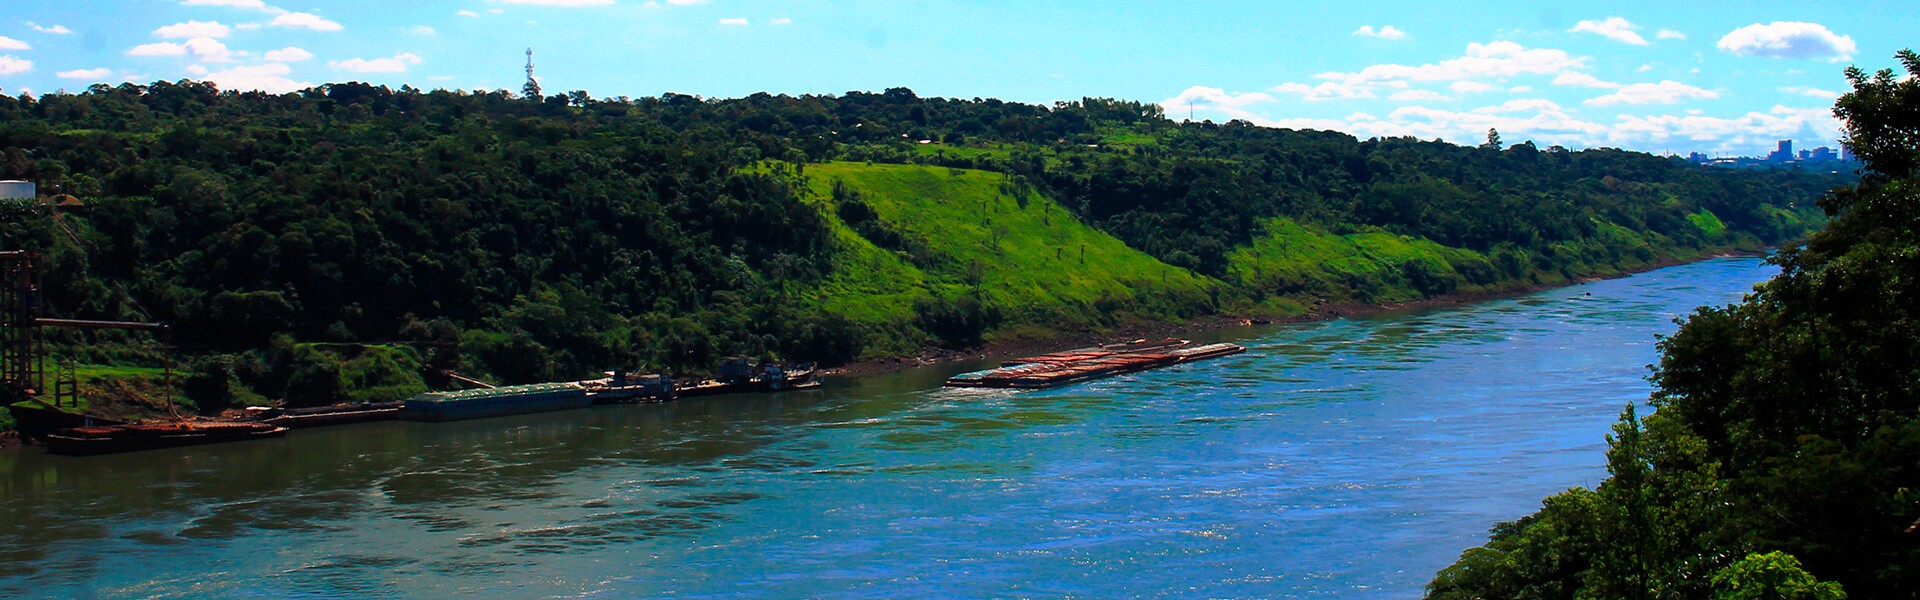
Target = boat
(780,378)
(1086,364)
(740,374)
(620,388)
(107,439)
(34,418)
(494,402)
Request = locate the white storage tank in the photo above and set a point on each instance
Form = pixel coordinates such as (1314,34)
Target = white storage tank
(14,189)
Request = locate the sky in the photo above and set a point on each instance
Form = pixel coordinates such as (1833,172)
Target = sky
(1722,78)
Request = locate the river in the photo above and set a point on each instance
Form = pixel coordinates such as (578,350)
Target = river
(1342,459)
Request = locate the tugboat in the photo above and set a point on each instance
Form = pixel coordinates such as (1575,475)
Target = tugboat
(740,374)
(618,387)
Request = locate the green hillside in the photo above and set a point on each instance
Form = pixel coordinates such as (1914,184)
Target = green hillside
(1299,263)
(951,235)
(530,240)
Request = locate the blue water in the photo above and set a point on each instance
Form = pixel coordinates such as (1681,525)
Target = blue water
(1342,459)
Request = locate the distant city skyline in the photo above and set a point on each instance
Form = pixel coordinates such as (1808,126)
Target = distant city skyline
(1657,77)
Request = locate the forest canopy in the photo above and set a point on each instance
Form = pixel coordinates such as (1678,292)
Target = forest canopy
(554,237)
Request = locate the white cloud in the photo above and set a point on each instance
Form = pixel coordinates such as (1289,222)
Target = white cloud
(306,21)
(1788,39)
(208,50)
(1521,105)
(88,74)
(565,2)
(1669,34)
(193,29)
(1583,80)
(1520,89)
(781,21)
(1481,61)
(685,2)
(1614,28)
(247,26)
(422,30)
(1746,131)
(1546,122)
(1469,87)
(1665,92)
(7,43)
(466,13)
(1325,91)
(205,49)
(271,78)
(12,66)
(1812,92)
(1385,32)
(735,21)
(1418,96)
(397,64)
(158,49)
(1643,68)
(259,5)
(288,54)
(1215,99)
(54,30)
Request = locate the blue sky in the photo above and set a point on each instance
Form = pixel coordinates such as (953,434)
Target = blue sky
(1716,77)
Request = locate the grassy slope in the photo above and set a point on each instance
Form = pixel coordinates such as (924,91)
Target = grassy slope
(1300,264)
(1032,259)
(1297,263)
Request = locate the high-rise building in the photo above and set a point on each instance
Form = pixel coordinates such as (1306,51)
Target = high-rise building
(1783,154)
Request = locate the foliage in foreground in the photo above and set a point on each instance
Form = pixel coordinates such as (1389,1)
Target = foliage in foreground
(1784,458)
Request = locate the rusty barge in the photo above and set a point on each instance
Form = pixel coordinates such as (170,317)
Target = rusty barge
(1087,364)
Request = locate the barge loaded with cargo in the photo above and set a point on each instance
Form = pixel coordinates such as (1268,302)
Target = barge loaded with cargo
(1087,364)
(494,402)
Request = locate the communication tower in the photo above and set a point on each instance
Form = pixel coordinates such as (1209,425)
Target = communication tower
(532,89)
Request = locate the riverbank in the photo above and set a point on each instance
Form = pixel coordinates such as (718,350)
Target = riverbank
(1221,322)
(1301,470)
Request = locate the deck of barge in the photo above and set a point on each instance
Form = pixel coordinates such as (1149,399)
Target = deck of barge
(1087,364)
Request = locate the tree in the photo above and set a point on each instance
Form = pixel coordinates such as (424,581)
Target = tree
(1493,139)
(1772,576)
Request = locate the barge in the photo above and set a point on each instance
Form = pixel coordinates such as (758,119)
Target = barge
(494,402)
(1087,364)
(339,414)
(106,439)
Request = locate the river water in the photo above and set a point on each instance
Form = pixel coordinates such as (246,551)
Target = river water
(1342,459)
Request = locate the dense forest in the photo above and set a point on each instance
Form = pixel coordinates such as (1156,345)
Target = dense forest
(287,238)
(1784,458)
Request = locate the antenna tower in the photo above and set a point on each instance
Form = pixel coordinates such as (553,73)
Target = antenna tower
(532,89)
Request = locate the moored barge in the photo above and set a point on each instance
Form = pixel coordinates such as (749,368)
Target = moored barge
(1087,364)
(494,402)
(106,439)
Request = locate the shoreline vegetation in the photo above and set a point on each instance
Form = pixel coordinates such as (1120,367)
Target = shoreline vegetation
(352,242)
(1221,322)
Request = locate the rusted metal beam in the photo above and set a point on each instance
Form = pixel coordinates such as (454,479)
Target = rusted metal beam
(81,324)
